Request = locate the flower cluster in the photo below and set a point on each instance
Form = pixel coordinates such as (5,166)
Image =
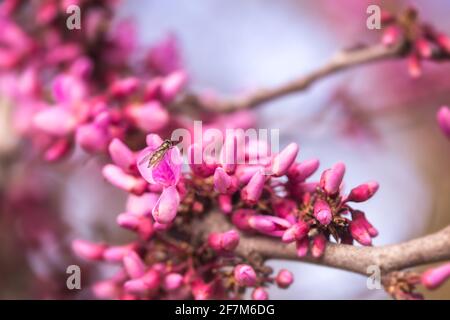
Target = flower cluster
(175,258)
(420,40)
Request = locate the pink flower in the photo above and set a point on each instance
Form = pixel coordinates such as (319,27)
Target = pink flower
(172,281)
(149,117)
(301,171)
(240,218)
(363,192)
(322,212)
(224,242)
(172,85)
(284,278)
(358,230)
(283,161)
(296,232)
(88,250)
(166,208)
(245,275)
(302,247)
(223,183)
(270,225)
(443,118)
(134,265)
(253,190)
(142,205)
(150,281)
(116,253)
(92,137)
(141,224)
(167,171)
(318,245)
(200,166)
(331,179)
(120,179)
(435,277)
(57,121)
(260,294)
(122,155)
(164,57)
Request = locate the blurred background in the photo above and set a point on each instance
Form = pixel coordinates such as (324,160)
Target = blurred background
(375,118)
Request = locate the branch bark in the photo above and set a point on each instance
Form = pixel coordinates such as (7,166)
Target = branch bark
(424,250)
(342,60)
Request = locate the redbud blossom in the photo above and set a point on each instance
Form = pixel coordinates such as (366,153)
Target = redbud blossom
(223,183)
(106,289)
(142,205)
(284,278)
(301,171)
(92,137)
(253,190)
(331,179)
(120,179)
(228,154)
(318,245)
(167,206)
(260,294)
(225,203)
(198,164)
(150,281)
(363,192)
(116,253)
(172,85)
(270,225)
(245,275)
(241,217)
(296,232)
(226,241)
(149,117)
(391,35)
(283,161)
(435,277)
(134,265)
(122,155)
(322,212)
(172,281)
(57,121)
(443,118)
(88,250)
(359,232)
(302,247)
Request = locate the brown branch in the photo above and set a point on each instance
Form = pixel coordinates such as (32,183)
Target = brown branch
(341,61)
(428,249)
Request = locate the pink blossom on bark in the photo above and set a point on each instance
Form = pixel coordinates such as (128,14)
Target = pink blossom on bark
(245,275)
(433,278)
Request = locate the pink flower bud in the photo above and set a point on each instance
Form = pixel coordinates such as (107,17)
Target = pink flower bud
(172,281)
(444,42)
(322,212)
(360,216)
(363,192)
(228,154)
(116,253)
(166,208)
(57,150)
(302,247)
(414,65)
(172,85)
(92,138)
(201,290)
(122,155)
(244,173)
(124,87)
(149,117)
(223,183)
(198,164)
(424,48)
(88,250)
(241,217)
(141,224)
(296,232)
(443,118)
(134,265)
(227,241)
(253,190)
(150,281)
(359,232)
(225,203)
(124,181)
(435,277)
(331,179)
(57,121)
(391,35)
(270,225)
(245,275)
(318,245)
(260,294)
(284,278)
(106,289)
(303,170)
(283,161)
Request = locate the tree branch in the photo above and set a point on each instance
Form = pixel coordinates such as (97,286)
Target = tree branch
(428,249)
(342,60)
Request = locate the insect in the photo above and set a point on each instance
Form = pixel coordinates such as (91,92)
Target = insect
(157,155)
